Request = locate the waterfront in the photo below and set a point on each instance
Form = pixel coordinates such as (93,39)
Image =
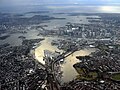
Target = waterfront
(44,45)
(13,40)
(69,73)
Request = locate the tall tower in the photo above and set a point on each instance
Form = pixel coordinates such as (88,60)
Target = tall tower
(83,32)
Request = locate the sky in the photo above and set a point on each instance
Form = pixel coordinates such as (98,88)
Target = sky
(34,2)
(109,6)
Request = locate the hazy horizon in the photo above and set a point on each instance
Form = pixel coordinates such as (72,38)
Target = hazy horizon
(39,2)
(79,6)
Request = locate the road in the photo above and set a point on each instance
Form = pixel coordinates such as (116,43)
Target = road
(62,56)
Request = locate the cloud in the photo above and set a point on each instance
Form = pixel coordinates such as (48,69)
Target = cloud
(28,2)
(109,9)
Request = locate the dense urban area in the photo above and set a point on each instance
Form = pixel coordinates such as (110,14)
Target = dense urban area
(100,70)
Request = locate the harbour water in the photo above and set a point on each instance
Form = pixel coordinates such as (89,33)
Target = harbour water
(45,45)
(69,73)
(13,40)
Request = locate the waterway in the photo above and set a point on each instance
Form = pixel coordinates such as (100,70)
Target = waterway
(69,73)
(45,45)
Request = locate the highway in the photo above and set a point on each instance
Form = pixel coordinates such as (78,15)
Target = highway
(62,56)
